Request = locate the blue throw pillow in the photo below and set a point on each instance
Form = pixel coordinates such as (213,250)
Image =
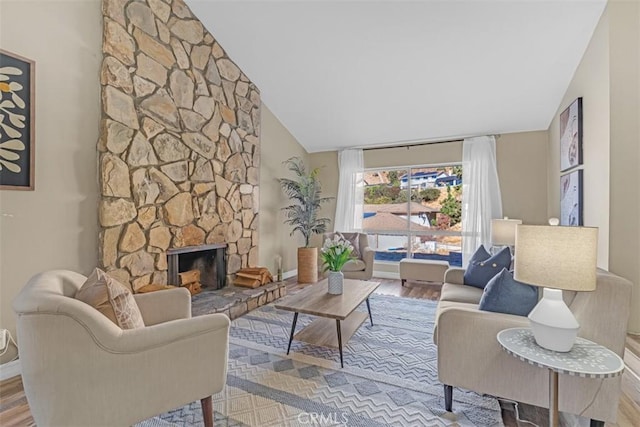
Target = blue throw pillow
(482,266)
(504,294)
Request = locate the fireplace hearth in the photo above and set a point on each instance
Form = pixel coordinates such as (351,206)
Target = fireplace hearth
(209,259)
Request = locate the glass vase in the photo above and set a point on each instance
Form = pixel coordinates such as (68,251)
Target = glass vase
(335,280)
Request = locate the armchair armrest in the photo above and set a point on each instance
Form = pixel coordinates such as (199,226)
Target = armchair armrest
(454,275)
(368,255)
(172,332)
(163,306)
(470,356)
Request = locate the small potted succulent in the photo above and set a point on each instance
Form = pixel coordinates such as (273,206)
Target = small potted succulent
(335,254)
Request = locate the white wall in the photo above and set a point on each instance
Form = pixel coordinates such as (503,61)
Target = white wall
(54,226)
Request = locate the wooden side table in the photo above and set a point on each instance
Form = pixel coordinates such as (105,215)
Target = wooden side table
(586,359)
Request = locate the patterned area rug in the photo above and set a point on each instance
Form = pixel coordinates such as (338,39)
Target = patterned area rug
(389,377)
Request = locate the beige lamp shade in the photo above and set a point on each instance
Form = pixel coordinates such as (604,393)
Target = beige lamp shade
(556,257)
(503,231)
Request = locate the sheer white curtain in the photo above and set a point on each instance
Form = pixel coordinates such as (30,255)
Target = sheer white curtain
(350,200)
(481,198)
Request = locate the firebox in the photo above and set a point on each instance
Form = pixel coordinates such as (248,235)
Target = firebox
(209,259)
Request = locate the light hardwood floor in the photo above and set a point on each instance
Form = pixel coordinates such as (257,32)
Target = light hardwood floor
(14,410)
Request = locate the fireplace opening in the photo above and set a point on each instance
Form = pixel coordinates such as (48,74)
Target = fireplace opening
(210,260)
(203,261)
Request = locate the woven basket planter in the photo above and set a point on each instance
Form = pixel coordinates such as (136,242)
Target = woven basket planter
(307,265)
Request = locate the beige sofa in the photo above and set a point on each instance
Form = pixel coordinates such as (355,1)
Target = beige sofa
(470,357)
(80,369)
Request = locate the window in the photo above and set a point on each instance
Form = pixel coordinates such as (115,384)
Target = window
(414,212)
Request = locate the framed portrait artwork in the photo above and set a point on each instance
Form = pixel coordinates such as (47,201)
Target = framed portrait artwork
(17,122)
(571,198)
(571,136)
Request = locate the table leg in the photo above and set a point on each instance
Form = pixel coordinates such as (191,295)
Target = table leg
(553,398)
(369,309)
(293,329)
(339,341)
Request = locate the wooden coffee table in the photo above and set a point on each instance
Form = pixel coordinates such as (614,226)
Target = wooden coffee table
(316,301)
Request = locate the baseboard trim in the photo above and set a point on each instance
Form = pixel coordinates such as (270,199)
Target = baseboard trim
(632,363)
(289,274)
(10,370)
(381,274)
(386,274)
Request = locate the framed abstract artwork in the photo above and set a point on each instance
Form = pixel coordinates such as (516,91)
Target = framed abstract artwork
(571,136)
(571,198)
(17,122)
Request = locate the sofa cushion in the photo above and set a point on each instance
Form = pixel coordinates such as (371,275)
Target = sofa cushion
(111,298)
(504,294)
(482,266)
(460,293)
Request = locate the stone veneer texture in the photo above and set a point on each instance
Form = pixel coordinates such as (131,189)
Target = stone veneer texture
(179,146)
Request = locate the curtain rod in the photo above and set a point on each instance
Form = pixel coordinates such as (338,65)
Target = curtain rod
(418,144)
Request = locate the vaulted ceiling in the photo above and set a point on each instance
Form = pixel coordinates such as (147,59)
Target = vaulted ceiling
(342,74)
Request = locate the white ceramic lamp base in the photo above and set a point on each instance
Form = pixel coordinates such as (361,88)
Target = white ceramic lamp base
(554,326)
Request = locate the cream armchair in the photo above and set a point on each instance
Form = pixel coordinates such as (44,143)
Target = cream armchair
(80,369)
(360,268)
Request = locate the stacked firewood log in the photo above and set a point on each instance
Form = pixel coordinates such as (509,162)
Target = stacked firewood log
(252,277)
(191,280)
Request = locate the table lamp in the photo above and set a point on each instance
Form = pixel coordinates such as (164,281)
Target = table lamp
(503,232)
(556,258)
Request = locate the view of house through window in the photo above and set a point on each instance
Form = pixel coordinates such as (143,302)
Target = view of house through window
(414,212)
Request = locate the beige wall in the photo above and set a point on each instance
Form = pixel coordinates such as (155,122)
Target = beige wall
(608,79)
(624,213)
(522,169)
(276,145)
(329,177)
(591,82)
(54,226)
(428,154)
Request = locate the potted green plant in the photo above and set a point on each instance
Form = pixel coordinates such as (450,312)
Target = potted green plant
(305,192)
(335,254)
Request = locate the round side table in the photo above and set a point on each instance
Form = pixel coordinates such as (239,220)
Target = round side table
(586,359)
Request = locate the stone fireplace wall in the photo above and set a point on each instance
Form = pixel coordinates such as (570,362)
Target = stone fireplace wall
(179,147)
